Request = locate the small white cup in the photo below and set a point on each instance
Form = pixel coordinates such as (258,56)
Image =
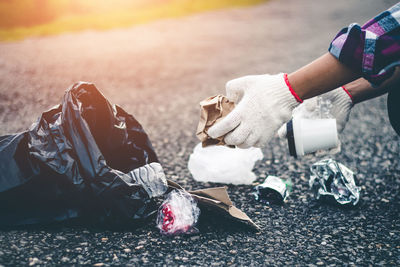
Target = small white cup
(310,135)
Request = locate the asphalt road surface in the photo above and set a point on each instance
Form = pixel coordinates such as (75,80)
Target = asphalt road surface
(159,72)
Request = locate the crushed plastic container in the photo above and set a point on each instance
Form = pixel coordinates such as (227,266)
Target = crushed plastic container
(178,214)
(314,108)
(333,181)
(222,164)
(272,190)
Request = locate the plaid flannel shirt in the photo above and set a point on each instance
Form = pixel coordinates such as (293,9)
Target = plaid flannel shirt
(374,48)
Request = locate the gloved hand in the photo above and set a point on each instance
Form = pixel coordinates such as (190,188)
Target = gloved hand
(341,102)
(264,103)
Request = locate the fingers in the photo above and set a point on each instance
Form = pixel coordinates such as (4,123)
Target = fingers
(238,136)
(341,112)
(235,88)
(282,132)
(264,139)
(230,122)
(341,121)
(249,142)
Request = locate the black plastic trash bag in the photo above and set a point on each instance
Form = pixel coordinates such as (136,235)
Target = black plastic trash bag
(82,158)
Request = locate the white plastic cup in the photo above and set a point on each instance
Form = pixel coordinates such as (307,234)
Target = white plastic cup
(310,135)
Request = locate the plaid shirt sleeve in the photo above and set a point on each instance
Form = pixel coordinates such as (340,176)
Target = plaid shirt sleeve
(374,48)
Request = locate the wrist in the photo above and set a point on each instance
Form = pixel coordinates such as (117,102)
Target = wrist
(362,90)
(348,94)
(295,95)
(276,88)
(341,97)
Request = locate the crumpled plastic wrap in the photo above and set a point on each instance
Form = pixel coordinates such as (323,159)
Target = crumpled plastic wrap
(222,164)
(314,108)
(84,158)
(332,180)
(178,214)
(212,110)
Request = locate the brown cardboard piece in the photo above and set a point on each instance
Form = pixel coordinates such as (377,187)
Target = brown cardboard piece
(212,110)
(217,199)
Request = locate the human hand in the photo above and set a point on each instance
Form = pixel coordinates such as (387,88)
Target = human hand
(264,102)
(341,105)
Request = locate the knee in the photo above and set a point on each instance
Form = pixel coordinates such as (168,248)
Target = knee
(393,107)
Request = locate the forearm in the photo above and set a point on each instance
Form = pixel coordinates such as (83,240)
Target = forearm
(361,89)
(320,76)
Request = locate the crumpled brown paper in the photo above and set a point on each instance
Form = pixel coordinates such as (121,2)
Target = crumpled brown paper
(213,109)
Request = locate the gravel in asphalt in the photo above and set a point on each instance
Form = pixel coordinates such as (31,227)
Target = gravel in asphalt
(159,72)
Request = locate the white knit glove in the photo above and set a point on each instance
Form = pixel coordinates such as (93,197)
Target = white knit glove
(341,104)
(264,102)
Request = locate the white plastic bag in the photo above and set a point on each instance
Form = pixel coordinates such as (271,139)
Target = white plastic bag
(222,164)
